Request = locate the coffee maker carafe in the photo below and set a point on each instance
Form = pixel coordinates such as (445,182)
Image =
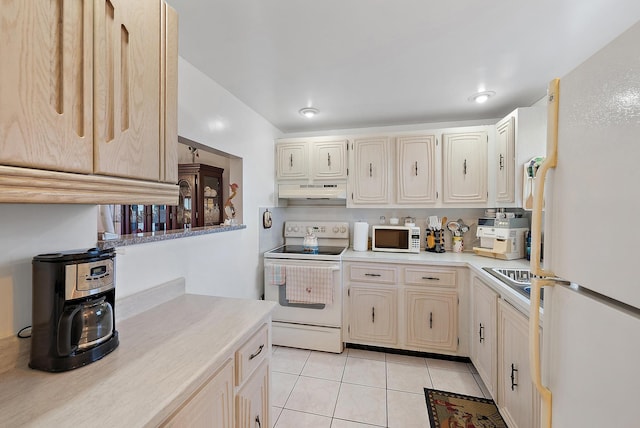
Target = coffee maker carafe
(73,309)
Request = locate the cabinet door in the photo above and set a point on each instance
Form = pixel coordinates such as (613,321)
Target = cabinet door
(465,167)
(211,406)
(127,89)
(505,166)
(169,99)
(370,180)
(252,400)
(292,161)
(432,319)
(329,160)
(415,169)
(484,334)
(373,314)
(46,119)
(517,396)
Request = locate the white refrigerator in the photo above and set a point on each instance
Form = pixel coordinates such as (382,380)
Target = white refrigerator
(588,202)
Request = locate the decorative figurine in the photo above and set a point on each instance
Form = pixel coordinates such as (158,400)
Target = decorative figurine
(229,210)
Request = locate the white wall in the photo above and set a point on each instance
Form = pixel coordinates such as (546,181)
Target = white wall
(29,230)
(226,264)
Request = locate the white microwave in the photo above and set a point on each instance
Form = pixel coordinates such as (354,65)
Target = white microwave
(396,239)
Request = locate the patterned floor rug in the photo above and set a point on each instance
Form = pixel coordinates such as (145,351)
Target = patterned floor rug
(449,410)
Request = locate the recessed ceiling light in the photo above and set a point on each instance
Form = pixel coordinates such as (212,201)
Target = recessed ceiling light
(309,112)
(481,97)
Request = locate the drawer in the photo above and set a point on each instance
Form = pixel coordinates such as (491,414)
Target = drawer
(251,354)
(373,273)
(430,276)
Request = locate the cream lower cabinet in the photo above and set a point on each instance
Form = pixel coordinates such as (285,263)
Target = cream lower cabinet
(410,307)
(484,333)
(518,399)
(237,395)
(432,318)
(374,314)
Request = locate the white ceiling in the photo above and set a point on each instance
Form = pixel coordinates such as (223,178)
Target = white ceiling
(392,62)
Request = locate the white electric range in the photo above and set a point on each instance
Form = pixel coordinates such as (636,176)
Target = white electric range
(316,326)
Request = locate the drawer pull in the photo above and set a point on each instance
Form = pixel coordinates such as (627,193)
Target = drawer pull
(431,320)
(431,278)
(372,274)
(252,356)
(480,333)
(373,314)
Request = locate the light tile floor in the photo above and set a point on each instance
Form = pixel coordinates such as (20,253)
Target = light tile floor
(359,389)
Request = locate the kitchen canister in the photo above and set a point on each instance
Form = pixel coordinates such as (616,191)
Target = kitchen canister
(360,236)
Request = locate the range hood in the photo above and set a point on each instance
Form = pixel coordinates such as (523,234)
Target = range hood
(313,191)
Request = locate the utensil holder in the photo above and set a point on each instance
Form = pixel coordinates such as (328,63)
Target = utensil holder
(437,241)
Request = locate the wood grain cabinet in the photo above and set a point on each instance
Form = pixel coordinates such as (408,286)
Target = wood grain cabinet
(200,201)
(211,406)
(88,87)
(237,395)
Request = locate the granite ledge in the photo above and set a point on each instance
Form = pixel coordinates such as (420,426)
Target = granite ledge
(143,238)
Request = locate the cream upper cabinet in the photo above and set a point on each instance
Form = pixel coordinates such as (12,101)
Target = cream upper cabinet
(518,399)
(484,333)
(82,92)
(465,167)
(292,161)
(520,136)
(504,172)
(311,159)
(329,160)
(369,183)
(416,169)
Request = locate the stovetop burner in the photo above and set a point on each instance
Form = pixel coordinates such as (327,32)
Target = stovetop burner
(299,249)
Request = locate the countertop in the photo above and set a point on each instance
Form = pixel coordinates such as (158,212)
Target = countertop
(466,259)
(165,354)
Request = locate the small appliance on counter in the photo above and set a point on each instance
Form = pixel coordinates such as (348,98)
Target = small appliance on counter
(502,238)
(73,309)
(395,239)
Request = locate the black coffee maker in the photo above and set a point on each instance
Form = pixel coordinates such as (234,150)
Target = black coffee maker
(73,309)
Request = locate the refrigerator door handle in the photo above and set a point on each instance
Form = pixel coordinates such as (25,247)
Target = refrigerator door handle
(550,161)
(538,273)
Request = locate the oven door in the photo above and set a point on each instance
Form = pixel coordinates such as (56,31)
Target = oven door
(329,315)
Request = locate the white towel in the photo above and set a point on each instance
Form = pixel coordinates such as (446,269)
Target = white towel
(276,274)
(310,284)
